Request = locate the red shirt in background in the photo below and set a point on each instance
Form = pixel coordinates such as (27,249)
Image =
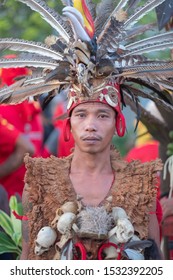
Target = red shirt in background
(63,148)
(13,183)
(144,153)
(27,119)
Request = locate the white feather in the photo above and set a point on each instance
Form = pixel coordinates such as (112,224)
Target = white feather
(152,40)
(79,31)
(29,46)
(15,63)
(75,12)
(141,12)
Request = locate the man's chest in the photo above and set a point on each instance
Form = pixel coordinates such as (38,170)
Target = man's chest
(92,191)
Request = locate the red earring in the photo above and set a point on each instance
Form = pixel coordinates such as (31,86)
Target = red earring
(120,125)
(67,130)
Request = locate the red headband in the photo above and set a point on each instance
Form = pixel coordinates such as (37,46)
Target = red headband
(109,95)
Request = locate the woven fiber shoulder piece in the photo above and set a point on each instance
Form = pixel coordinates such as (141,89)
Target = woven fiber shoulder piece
(119,163)
(46,173)
(47,187)
(135,190)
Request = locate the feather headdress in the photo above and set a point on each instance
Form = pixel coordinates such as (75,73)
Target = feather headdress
(96,47)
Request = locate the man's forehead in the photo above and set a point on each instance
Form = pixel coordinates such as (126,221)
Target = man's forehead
(93,106)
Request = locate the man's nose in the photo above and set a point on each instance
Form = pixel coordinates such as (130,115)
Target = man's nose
(90,124)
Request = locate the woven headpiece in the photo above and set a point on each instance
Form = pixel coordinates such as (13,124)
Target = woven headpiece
(95,56)
(106,93)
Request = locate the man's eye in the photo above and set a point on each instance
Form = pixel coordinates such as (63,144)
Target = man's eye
(103,116)
(81,115)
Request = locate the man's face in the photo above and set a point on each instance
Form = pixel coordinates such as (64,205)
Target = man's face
(93,126)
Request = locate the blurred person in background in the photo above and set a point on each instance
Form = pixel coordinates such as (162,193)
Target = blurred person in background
(13,146)
(55,143)
(25,116)
(146,148)
(24,134)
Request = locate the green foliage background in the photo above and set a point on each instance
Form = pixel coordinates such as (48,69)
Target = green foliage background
(11,229)
(19,21)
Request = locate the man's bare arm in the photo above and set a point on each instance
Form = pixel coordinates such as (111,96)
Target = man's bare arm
(15,160)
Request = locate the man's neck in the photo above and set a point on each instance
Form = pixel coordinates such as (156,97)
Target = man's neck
(91,163)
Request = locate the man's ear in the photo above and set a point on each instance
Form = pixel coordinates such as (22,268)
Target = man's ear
(67,130)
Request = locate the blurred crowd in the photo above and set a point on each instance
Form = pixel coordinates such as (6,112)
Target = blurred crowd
(26,128)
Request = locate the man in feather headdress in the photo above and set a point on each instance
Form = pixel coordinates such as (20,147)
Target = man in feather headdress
(92,178)
(92,204)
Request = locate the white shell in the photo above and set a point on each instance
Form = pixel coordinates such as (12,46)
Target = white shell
(70,206)
(110,101)
(46,237)
(65,222)
(123,230)
(118,213)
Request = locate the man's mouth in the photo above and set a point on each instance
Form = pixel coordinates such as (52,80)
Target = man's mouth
(91,138)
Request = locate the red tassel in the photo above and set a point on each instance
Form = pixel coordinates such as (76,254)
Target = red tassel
(82,250)
(22,218)
(66,130)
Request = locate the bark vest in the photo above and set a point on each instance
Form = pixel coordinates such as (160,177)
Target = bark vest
(48,187)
